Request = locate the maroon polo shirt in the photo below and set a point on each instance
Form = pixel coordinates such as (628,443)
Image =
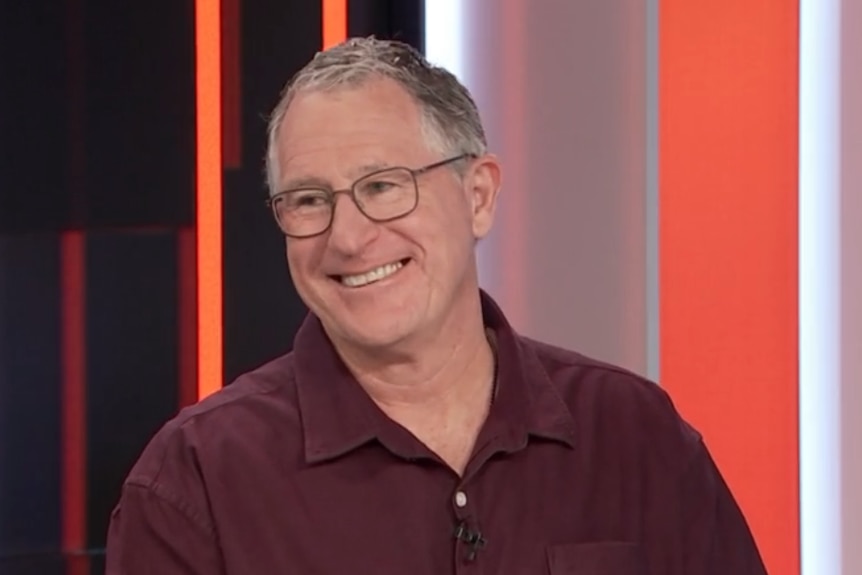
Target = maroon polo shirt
(580,468)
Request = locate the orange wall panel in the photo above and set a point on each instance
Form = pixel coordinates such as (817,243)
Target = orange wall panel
(334,22)
(209,195)
(728,133)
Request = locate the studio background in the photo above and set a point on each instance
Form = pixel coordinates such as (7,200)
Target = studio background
(681,197)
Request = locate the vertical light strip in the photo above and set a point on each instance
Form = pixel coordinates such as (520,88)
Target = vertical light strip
(73,300)
(652,197)
(334,22)
(444,33)
(74,398)
(209,194)
(187,322)
(851,286)
(819,286)
(729,173)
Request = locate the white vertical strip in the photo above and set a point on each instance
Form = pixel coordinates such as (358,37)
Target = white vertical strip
(652,193)
(444,33)
(851,284)
(819,287)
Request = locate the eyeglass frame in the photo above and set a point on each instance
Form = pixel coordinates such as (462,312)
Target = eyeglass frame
(351,193)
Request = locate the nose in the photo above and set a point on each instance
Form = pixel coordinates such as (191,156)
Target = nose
(351,230)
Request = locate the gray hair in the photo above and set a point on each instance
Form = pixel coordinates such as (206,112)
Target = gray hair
(450,120)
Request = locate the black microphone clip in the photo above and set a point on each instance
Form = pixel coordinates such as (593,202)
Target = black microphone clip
(472,538)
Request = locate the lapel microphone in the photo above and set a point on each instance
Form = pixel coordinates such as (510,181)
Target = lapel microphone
(474,539)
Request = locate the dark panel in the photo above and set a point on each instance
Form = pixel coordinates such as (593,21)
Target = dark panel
(139,112)
(33,86)
(97,563)
(34,564)
(53,563)
(29,394)
(97,112)
(390,19)
(131,358)
(261,308)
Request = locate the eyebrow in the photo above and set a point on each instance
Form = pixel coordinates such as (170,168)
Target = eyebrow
(318,182)
(305,182)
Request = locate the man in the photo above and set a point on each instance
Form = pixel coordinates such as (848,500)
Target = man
(411,430)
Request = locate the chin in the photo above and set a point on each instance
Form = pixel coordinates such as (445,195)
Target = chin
(379,333)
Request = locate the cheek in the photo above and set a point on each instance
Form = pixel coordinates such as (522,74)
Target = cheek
(298,261)
(447,239)
(457,222)
(304,258)
(446,212)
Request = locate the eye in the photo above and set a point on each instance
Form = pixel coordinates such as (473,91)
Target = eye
(388,182)
(378,186)
(310,201)
(301,199)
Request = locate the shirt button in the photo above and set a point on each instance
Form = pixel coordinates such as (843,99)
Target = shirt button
(460,499)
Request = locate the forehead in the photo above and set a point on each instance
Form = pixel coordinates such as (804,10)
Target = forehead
(377,119)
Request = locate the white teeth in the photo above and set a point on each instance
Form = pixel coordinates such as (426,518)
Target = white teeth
(374,275)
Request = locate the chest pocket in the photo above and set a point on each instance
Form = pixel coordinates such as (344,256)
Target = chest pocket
(606,558)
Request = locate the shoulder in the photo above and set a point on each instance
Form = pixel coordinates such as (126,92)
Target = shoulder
(615,407)
(253,409)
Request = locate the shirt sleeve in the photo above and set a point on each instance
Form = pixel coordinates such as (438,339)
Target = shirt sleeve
(153,532)
(717,539)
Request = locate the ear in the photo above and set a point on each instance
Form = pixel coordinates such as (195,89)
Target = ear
(482,186)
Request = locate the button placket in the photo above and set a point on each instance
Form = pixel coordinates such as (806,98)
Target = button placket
(468,540)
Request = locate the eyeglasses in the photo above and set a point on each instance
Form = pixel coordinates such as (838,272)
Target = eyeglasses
(382,196)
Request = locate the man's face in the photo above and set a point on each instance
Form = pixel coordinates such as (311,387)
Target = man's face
(426,259)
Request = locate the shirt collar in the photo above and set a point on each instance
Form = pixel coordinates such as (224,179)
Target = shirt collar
(527,401)
(339,416)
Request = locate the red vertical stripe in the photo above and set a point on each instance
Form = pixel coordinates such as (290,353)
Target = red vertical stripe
(73,352)
(231,93)
(73,342)
(209,195)
(728,256)
(188,317)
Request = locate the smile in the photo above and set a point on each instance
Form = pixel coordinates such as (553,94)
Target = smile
(372,276)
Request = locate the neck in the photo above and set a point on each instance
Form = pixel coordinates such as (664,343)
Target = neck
(439,386)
